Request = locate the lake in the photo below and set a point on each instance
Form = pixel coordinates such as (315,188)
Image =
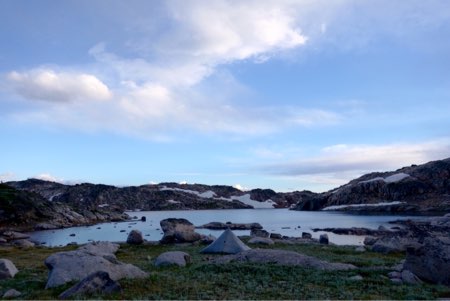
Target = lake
(283,221)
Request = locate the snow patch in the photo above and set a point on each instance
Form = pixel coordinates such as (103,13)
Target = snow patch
(246,199)
(391,179)
(336,207)
(206,195)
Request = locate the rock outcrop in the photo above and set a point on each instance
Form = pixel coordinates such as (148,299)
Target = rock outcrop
(282,257)
(7,269)
(76,265)
(96,283)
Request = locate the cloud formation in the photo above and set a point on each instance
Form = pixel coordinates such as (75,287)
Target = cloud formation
(49,85)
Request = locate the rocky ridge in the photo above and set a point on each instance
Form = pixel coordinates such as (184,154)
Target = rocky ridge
(420,188)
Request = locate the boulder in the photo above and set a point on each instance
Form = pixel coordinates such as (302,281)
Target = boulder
(282,257)
(95,283)
(323,239)
(410,278)
(259,232)
(173,258)
(276,236)
(11,293)
(226,243)
(13,235)
(135,238)
(76,265)
(370,240)
(23,243)
(306,235)
(207,239)
(178,230)
(7,269)
(261,241)
(392,244)
(431,261)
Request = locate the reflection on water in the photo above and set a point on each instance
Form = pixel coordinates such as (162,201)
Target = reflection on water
(283,221)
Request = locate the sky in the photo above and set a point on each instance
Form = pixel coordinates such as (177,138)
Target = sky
(281,94)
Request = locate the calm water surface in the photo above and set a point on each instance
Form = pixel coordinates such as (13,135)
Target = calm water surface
(283,221)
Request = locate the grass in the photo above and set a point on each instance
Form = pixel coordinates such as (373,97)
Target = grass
(201,280)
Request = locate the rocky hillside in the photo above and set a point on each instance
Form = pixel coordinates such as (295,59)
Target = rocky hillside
(415,188)
(20,209)
(164,196)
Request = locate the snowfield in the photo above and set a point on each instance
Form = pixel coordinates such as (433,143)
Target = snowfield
(391,179)
(336,207)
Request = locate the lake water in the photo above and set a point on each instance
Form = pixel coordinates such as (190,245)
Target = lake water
(283,221)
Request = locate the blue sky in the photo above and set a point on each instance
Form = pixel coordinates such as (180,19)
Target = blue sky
(285,94)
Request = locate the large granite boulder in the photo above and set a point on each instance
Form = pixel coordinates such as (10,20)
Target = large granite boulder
(393,244)
(7,269)
(178,230)
(173,258)
(76,265)
(98,282)
(282,257)
(135,238)
(431,261)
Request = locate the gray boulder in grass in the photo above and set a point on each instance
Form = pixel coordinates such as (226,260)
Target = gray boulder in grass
(98,282)
(7,269)
(75,265)
(173,258)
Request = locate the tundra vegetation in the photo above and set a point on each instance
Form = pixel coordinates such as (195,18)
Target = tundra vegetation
(203,280)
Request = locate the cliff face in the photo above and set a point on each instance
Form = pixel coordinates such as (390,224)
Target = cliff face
(415,188)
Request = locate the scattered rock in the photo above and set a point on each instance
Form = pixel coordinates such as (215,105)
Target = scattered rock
(98,282)
(73,234)
(173,258)
(261,241)
(76,265)
(135,237)
(370,240)
(276,236)
(12,293)
(282,257)
(45,226)
(178,230)
(123,230)
(207,239)
(306,235)
(395,274)
(232,226)
(323,239)
(392,244)
(23,243)
(7,269)
(396,281)
(3,240)
(356,278)
(360,249)
(143,219)
(259,232)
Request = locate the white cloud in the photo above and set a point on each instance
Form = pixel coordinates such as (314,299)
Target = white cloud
(341,163)
(7,176)
(48,177)
(49,85)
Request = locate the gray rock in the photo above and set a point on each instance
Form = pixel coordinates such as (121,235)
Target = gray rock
(7,269)
(98,282)
(261,241)
(11,293)
(275,236)
(356,278)
(370,240)
(135,238)
(259,233)
(431,261)
(45,226)
(207,239)
(395,274)
(3,240)
(13,235)
(323,239)
(173,258)
(76,265)
(23,243)
(282,257)
(306,235)
(360,249)
(178,230)
(392,244)
(410,278)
